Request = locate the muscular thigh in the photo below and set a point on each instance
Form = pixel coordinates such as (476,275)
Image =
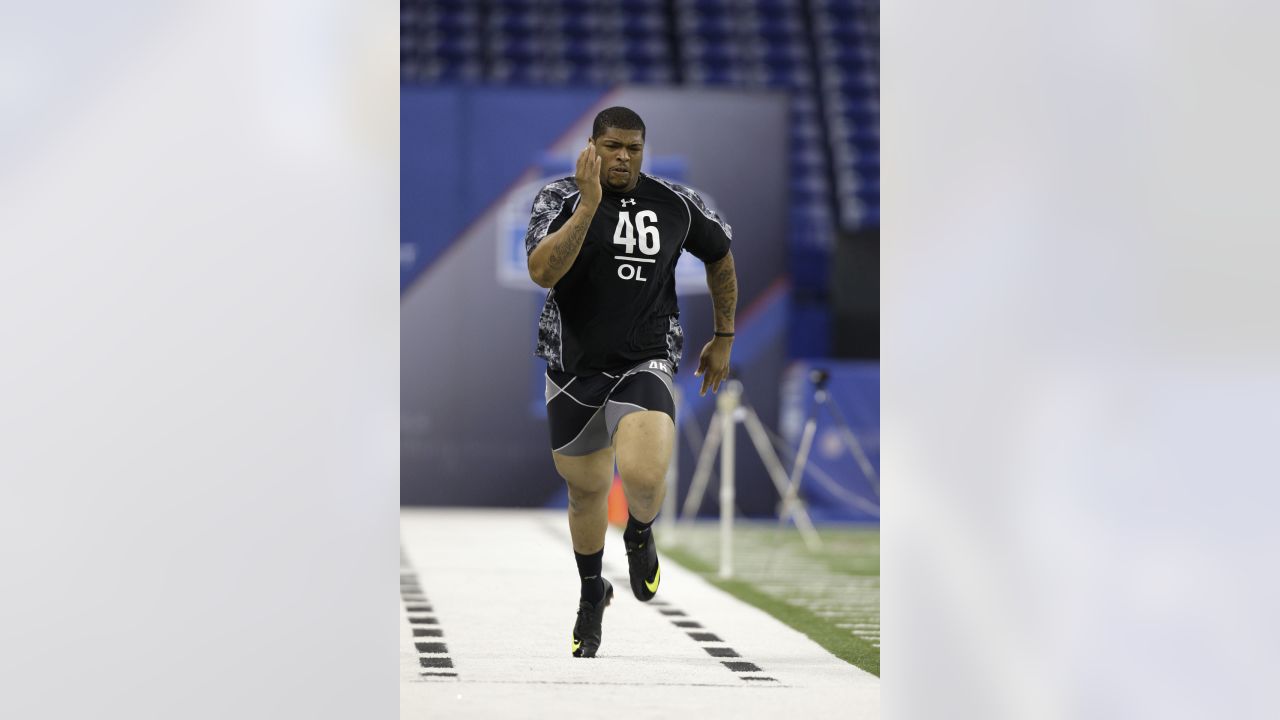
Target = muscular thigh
(586,473)
(643,443)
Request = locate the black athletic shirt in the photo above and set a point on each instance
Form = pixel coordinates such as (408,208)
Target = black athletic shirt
(617,304)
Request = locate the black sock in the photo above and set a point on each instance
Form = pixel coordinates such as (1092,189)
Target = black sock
(636,530)
(589,572)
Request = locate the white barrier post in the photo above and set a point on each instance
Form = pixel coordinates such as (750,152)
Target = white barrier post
(727,402)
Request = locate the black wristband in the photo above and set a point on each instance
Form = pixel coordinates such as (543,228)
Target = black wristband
(720,334)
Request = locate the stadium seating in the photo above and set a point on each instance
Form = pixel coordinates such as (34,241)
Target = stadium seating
(825,52)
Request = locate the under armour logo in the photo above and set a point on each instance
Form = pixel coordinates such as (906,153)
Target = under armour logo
(628,200)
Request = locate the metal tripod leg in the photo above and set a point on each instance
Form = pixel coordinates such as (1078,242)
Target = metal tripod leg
(855,447)
(764,449)
(702,471)
(801,461)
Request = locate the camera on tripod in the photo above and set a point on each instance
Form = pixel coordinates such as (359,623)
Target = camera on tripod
(822,398)
(819,378)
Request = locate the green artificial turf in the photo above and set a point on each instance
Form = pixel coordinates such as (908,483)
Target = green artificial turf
(763,550)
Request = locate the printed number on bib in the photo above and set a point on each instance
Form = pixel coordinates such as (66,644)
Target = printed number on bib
(625,234)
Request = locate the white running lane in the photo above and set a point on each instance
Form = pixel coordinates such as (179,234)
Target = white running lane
(503,589)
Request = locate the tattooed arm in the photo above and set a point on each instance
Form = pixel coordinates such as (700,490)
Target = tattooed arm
(713,365)
(722,281)
(555,254)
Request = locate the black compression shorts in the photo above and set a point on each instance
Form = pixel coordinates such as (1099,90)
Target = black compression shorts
(584,411)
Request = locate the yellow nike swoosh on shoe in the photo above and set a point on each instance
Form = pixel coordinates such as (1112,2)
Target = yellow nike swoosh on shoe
(576,644)
(657,577)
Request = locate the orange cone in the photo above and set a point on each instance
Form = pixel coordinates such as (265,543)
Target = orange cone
(617,503)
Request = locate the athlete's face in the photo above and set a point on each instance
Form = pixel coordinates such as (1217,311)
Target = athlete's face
(620,154)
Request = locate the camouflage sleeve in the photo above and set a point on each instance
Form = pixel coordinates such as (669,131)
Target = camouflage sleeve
(709,235)
(551,209)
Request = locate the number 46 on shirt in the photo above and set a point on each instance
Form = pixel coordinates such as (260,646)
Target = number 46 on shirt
(625,235)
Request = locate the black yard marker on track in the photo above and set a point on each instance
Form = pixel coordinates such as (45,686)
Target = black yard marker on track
(680,619)
(431,654)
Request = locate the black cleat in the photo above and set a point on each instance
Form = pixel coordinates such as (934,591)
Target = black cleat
(586,631)
(642,561)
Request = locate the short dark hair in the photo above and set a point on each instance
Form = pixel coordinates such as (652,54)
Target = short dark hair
(616,117)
